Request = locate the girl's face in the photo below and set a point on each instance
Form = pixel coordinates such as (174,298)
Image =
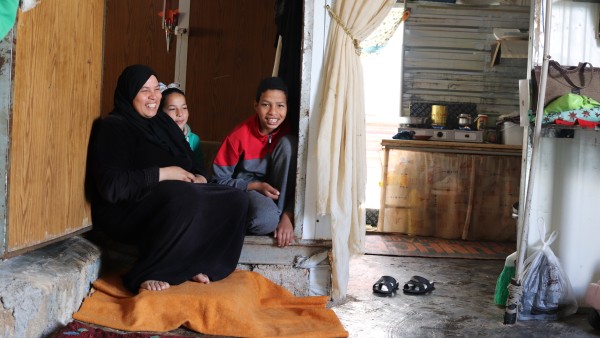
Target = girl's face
(148,98)
(176,107)
(271,110)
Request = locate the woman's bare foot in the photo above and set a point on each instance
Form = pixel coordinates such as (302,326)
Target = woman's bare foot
(201,278)
(154,285)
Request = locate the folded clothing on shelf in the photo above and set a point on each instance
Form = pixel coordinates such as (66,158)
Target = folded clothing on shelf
(583,117)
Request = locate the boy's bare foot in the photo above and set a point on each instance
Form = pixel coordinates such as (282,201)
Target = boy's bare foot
(201,278)
(154,285)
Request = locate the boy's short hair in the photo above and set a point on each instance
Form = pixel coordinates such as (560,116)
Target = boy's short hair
(271,83)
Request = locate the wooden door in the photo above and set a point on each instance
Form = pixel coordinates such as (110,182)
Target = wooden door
(57,76)
(231,48)
(134,35)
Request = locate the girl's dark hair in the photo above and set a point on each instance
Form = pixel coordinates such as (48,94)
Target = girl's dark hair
(166,94)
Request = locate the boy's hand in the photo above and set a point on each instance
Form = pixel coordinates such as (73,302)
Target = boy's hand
(265,189)
(285,231)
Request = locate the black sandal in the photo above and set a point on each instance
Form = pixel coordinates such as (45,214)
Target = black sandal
(386,285)
(418,285)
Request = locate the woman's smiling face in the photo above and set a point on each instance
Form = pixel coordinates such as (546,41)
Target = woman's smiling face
(148,98)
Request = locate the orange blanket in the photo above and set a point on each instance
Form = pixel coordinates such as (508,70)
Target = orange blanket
(245,304)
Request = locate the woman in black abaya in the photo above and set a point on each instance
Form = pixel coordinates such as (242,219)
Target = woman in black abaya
(149,191)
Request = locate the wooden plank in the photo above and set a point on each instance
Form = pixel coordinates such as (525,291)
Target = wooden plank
(491,81)
(503,10)
(459,88)
(472,15)
(444,64)
(459,97)
(499,89)
(454,147)
(445,21)
(448,55)
(462,44)
(384,184)
(448,33)
(441,33)
(462,97)
(512,68)
(492,77)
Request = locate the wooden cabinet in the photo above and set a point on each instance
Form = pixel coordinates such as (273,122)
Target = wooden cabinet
(450,190)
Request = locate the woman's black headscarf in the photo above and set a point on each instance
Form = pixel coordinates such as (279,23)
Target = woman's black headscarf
(160,129)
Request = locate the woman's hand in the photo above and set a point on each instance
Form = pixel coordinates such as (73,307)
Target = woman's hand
(175,174)
(264,188)
(285,230)
(199,179)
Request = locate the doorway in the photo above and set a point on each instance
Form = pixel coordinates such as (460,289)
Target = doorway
(382,65)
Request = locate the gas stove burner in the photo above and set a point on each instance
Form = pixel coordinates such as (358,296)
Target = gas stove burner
(464,128)
(438,127)
(450,135)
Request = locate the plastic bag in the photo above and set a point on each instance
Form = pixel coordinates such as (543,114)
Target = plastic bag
(570,101)
(547,291)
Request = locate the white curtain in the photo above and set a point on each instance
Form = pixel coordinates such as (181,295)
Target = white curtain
(341,152)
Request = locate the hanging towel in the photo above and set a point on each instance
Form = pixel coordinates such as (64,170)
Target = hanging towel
(245,304)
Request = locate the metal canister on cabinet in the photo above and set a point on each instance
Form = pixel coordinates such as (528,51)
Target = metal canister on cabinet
(481,121)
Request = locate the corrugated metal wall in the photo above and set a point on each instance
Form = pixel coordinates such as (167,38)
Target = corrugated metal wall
(447,56)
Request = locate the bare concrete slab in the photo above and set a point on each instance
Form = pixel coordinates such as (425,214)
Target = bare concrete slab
(462,304)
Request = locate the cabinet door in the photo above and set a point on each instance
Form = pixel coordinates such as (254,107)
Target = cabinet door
(57,75)
(450,195)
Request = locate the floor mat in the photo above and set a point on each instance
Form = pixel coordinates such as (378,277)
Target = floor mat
(81,330)
(413,246)
(245,304)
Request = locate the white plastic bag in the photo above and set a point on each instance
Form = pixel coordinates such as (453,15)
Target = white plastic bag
(547,291)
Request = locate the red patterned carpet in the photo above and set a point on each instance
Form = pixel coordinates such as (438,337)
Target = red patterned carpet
(405,245)
(81,330)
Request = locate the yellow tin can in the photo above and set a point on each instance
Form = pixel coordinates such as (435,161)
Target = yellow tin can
(439,115)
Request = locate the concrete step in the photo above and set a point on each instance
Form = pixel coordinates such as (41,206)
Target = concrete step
(40,290)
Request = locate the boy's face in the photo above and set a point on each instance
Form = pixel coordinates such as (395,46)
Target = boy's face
(176,107)
(271,110)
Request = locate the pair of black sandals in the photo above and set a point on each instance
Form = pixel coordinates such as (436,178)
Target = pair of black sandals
(417,285)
